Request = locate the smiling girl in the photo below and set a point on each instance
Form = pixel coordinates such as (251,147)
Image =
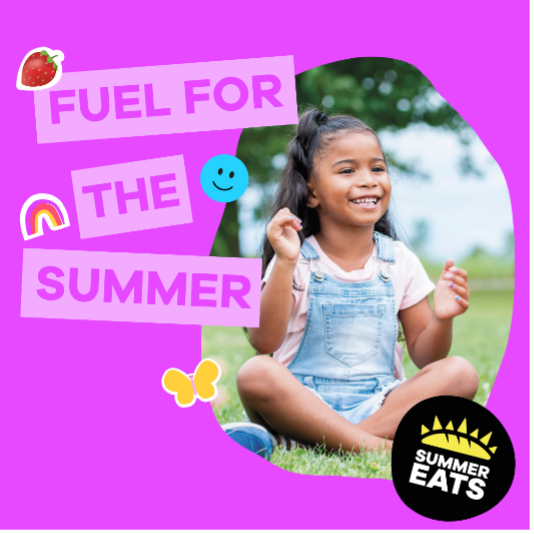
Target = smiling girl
(336,283)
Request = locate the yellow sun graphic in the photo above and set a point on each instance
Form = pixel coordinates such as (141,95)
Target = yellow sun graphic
(457,440)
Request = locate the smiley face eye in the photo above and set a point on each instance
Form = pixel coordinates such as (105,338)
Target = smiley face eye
(232,174)
(220,171)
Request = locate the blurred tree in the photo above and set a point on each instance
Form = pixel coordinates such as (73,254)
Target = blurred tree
(226,243)
(383,92)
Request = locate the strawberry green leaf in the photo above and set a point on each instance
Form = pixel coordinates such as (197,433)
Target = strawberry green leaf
(49,60)
(44,53)
(54,65)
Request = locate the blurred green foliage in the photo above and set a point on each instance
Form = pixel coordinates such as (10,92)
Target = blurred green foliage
(480,265)
(385,93)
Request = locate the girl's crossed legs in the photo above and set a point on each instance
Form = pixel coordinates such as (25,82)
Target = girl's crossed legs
(275,399)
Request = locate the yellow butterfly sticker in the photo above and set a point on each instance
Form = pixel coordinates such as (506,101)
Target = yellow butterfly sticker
(187,388)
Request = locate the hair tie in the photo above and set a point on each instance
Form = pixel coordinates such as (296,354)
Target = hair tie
(321,119)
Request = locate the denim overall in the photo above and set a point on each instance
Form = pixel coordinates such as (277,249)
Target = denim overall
(347,353)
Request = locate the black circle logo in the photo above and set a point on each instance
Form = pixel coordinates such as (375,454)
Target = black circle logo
(452,459)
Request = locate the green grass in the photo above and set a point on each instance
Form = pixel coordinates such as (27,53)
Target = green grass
(480,335)
(480,266)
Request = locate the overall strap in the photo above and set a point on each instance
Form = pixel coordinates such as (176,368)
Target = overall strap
(385,249)
(308,251)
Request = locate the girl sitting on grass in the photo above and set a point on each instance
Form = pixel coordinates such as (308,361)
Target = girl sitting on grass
(336,282)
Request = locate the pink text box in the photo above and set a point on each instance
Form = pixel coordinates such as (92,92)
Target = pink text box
(131,196)
(218,95)
(154,288)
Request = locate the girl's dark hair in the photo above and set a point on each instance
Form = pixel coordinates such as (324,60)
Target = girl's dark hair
(314,132)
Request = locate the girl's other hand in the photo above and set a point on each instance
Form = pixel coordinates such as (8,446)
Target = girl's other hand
(451,297)
(282,233)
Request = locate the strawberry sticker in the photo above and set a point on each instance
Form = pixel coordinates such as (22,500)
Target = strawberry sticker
(40,69)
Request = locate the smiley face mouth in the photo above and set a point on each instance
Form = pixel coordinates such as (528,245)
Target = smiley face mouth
(220,188)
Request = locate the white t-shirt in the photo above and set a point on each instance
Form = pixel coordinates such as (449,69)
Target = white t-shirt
(409,278)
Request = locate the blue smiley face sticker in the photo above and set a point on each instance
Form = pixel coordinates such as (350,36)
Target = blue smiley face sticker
(224,178)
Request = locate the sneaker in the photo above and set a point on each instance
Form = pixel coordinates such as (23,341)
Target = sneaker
(254,438)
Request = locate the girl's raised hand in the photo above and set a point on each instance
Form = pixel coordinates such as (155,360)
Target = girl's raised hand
(451,297)
(283,236)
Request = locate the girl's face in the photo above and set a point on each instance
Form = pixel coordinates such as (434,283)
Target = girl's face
(350,184)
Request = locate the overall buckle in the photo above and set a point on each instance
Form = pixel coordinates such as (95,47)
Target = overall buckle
(384,272)
(318,274)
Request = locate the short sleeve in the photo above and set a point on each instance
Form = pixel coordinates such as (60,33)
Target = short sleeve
(298,277)
(417,284)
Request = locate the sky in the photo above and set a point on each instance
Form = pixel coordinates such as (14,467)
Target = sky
(461,212)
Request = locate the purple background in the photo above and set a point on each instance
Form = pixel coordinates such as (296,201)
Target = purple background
(88,437)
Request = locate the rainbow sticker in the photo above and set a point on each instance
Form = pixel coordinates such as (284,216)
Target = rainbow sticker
(39,207)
